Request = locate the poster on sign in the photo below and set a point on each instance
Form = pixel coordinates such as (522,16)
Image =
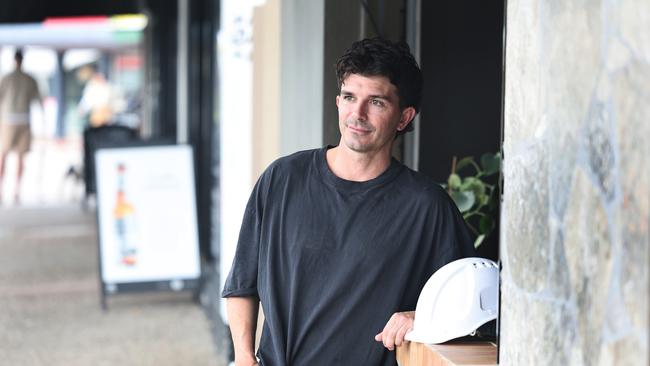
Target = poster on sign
(147,221)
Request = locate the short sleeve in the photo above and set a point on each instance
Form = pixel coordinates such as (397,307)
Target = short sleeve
(36,95)
(3,87)
(451,234)
(242,279)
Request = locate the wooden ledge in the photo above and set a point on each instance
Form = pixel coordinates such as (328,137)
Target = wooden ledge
(447,354)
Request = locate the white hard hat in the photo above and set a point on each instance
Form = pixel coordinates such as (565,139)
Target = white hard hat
(460,297)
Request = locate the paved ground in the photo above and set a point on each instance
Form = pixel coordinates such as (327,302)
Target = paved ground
(45,181)
(49,301)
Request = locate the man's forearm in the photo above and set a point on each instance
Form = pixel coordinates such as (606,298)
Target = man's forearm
(242,315)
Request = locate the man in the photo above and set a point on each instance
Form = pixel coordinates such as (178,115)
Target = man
(17,91)
(100,100)
(337,243)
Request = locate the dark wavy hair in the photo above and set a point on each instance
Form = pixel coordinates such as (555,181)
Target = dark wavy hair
(393,60)
(18,56)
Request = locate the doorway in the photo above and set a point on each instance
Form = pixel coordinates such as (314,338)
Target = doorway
(461,56)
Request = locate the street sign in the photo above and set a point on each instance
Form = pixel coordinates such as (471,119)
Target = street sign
(147,219)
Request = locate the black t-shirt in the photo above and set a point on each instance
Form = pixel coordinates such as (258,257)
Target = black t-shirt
(331,260)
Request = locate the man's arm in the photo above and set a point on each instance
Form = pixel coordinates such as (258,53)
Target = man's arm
(242,315)
(393,333)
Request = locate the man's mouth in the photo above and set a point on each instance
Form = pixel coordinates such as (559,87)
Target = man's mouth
(358,128)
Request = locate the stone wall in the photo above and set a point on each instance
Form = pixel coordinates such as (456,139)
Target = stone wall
(575,212)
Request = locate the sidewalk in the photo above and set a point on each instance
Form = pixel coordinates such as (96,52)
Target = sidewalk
(50,306)
(44,181)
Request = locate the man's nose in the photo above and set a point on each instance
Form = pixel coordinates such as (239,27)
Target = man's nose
(360,110)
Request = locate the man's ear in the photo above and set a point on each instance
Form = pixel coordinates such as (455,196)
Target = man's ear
(337,101)
(407,117)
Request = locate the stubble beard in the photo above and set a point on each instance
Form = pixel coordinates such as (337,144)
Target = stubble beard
(352,141)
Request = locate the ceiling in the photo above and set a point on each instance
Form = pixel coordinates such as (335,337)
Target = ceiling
(32,11)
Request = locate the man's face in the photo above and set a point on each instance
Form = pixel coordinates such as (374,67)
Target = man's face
(369,113)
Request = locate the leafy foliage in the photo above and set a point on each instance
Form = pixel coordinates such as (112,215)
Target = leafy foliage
(476,199)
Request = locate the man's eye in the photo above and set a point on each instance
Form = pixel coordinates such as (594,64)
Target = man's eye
(348,98)
(377,102)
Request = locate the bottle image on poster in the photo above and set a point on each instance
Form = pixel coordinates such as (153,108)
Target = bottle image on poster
(125,221)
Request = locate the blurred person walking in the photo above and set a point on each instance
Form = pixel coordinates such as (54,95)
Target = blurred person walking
(100,100)
(17,91)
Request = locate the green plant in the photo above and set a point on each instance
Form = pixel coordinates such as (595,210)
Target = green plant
(476,198)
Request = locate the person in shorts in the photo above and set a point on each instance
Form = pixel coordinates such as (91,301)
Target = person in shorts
(17,91)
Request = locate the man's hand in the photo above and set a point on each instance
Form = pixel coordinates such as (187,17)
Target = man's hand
(395,330)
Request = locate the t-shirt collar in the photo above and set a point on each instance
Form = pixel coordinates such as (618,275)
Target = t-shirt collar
(388,175)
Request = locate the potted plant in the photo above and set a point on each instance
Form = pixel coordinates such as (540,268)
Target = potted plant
(476,193)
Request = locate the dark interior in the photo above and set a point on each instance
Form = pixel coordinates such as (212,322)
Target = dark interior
(461,60)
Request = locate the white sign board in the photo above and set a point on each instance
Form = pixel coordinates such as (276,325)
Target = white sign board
(146,209)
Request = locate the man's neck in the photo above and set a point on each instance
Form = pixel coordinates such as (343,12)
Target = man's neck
(358,167)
